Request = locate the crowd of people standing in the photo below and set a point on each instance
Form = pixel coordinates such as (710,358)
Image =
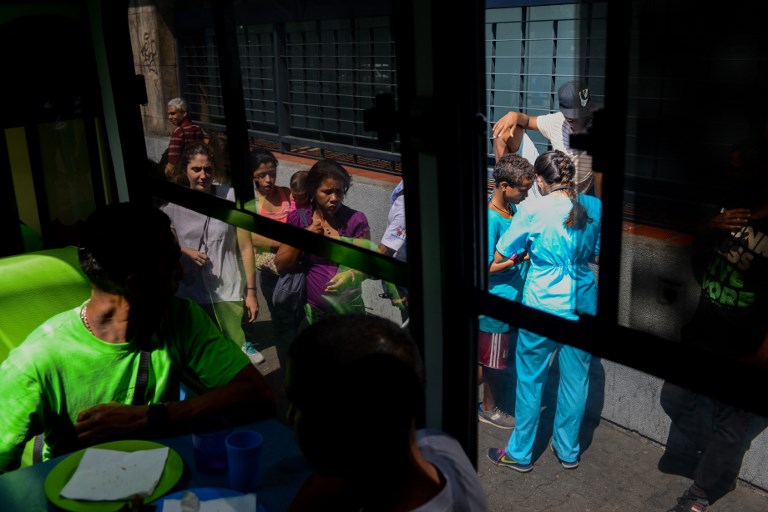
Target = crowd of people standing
(541,251)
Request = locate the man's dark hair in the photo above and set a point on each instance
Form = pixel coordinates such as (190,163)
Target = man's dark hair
(513,169)
(359,359)
(118,240)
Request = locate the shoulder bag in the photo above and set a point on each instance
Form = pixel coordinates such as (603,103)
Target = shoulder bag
(291,286)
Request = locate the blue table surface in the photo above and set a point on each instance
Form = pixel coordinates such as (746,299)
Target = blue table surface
(284,469)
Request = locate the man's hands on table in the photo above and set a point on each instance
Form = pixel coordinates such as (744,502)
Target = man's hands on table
(107,422)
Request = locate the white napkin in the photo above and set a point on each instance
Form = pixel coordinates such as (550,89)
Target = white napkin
(108,475)
(244,503)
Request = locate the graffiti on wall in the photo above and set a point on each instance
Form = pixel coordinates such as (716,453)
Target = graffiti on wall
(149,54)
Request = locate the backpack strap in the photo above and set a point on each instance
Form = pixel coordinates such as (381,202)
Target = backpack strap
(142,378)
(37,449)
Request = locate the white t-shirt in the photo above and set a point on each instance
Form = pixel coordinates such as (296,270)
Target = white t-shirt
(528,151)
(220,279)
(394,236)
(463,491)
(558,132)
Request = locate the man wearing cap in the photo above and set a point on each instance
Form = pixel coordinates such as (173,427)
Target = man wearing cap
(574,115)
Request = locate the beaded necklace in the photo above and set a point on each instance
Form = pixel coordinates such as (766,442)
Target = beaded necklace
(84,318)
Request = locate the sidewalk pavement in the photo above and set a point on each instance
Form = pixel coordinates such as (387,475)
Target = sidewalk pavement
(618,472)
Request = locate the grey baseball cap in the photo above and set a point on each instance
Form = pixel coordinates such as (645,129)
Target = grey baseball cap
(575,102)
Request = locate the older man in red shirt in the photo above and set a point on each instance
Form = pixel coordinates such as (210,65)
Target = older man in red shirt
(185,133)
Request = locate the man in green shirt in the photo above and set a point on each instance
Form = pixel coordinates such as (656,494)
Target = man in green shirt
(112,368)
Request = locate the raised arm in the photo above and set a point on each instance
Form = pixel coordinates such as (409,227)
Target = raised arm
(506,137)
(286,256)
(263,243)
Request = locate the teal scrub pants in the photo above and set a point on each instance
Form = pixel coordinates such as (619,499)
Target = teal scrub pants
(532,358)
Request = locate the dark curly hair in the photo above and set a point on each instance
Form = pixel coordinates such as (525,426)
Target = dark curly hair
(513,169)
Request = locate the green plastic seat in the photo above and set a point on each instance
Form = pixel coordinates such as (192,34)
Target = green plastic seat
(34,287)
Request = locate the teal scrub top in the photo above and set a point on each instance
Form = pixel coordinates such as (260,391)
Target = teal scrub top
(559,279)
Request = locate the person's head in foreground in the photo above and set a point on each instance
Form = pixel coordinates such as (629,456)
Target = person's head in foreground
(343,363)
(354,362)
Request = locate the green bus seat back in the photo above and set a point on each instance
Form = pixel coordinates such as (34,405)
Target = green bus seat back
(34,287)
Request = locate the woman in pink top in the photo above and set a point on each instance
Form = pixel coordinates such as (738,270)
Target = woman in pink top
(274,202)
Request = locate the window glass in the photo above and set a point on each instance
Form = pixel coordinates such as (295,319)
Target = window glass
(685,276)
(682,262)
(67,174)
(218,257)
(257,53)
(306,85)
(58,162)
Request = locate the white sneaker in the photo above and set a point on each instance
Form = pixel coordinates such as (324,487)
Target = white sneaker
(496,417)
(254,355)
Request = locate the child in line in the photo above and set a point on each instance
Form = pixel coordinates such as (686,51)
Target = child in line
(299,196)
(513,177)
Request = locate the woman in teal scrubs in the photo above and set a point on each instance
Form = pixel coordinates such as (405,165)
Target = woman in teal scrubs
(561,231)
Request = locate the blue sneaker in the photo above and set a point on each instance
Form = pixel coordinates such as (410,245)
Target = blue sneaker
(499,457)
(566,465)
(254,355)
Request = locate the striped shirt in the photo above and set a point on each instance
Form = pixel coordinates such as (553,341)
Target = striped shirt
(558,132)
(184,134)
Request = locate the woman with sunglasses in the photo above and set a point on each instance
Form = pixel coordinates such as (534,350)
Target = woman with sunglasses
(212,276)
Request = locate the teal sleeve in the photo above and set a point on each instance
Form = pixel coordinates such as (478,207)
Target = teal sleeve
(494,232)
(515,238)
(599,224)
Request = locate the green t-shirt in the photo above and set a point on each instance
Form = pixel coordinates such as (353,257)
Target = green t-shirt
(61,369)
